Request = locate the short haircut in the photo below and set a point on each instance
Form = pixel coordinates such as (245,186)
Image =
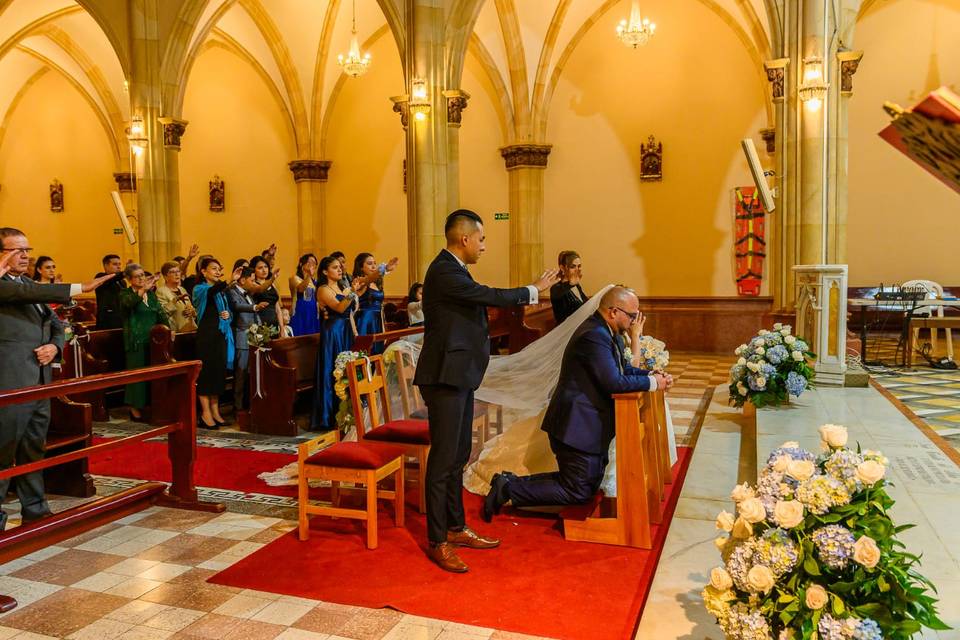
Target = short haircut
(459,222)
(246,272)
(615,296)
(167,267)
(10,232)
(566,258)
(110,256)
(130,269)
(205,262)
(339,255)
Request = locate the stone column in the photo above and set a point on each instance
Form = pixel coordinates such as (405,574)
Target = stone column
(525,164)
(781,243)
(311,179)
(127,186)
(158,196)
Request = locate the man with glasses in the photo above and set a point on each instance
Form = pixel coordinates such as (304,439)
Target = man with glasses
(580,417)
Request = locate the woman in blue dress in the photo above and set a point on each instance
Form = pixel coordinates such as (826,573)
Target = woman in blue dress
(336,336)
(369,316)
(304,316)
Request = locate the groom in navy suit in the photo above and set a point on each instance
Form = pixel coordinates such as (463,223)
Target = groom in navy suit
(580,416)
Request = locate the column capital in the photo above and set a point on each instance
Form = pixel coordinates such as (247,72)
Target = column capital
(456,104)
(126,181)
(776,71)
(310,170)
(769,136)
(173,130)
(849,62)
(525,155)
(401,105)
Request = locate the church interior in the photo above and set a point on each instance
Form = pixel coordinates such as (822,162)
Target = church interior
(766,177)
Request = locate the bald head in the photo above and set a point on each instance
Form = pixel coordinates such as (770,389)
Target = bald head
(620,297)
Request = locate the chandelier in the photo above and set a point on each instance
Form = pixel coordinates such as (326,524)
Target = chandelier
(353,64)
(638,30)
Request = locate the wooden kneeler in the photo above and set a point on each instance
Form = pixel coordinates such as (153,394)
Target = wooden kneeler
(355,462)
(643,468)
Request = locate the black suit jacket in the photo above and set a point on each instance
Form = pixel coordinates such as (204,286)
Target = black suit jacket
(456,341)
(564,302)
(581,412)
(108,302)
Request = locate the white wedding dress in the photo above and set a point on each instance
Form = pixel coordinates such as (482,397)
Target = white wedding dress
(521,384)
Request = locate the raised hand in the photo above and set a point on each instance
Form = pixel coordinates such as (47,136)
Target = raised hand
(636,327)
(547,279)
(193,252)
(6,261)
(87,287)
(392,264)
(236,274)
(272,249)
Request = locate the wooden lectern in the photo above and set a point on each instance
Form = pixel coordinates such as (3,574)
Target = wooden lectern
(643,468)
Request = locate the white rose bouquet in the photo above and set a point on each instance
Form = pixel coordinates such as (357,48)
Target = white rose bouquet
(813,554)
(770,367)
(341,387)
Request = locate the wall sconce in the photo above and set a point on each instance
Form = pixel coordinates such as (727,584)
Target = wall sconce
(137,135)
(813,88)
(419,102)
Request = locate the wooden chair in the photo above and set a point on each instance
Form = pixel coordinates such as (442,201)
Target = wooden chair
(368,388)
(412,402)
(643,467)
(935,291)
(364,463)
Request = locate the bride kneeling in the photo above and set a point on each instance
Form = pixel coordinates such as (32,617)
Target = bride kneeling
(579,420)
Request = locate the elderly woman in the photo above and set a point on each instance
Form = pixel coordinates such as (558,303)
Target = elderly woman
(140,310)
(175,300)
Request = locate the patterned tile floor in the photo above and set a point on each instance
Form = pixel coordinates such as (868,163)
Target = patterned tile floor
(932,394)
(144,577)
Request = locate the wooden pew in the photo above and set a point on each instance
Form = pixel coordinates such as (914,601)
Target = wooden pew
(507,324)
(365,343)
(167,346)
(643,468)
(287,371)
(90,353)
(71,429)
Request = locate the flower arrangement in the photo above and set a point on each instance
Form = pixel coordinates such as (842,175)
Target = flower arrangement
(260,335)
(813,554)
(341,386)
(770,368)
(653,353)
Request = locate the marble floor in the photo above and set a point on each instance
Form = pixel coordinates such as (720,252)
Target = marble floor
(730,449)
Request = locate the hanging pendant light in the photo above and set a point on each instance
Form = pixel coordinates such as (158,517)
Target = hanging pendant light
(353,64)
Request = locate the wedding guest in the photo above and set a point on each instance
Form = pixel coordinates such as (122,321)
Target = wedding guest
(215,345)
(336,337)
(108,295)
(140,310)
(415,304)
(45,271)
(304,317)
(190,281)
(287,331)
(238,264)
(342,259)
(184,262)
(567,295)
(245,314)
(263,289)
(368,318)
(175,300)
(31,268)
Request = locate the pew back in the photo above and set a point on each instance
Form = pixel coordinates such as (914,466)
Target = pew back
(277,376)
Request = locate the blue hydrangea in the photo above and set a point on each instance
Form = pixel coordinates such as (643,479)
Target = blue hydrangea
(868,630)
(737,372)
(801,346)
(794,453)
(772,339)
(830,628)
(777,354)
(796,383)
(753,382)
(821,492)
(834,545)
(768,370)
(776,550)
(740,562)
(842,465)
(744,623)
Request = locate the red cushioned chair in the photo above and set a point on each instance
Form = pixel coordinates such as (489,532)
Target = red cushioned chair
(368,387)
(365,463)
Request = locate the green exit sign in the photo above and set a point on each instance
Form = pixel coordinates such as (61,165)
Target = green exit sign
(501,216)
(118,232)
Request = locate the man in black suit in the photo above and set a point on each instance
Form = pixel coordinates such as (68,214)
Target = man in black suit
(580,416)
(456,351)
(108,296)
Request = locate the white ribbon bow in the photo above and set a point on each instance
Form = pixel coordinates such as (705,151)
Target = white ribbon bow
(256,365)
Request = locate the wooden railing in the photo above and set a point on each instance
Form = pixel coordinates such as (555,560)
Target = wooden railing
(182,450)
(365,343)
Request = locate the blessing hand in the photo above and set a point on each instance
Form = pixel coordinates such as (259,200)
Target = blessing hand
(87,287)
(547,279)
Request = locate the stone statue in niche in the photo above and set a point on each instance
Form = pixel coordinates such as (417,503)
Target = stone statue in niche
(651,160)
(217,194)
(56,196)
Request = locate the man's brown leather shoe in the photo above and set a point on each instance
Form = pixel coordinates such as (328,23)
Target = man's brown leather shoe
(445,556)
(470,538)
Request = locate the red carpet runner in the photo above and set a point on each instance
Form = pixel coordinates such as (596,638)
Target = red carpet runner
(233,469)
(536,583)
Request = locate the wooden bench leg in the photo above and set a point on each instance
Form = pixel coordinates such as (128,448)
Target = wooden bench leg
(398,504)
(303,497)
(371,510)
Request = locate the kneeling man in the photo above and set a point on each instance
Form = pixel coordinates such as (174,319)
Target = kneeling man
(580,417)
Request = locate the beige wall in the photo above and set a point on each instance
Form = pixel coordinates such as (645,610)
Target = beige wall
(902,221)
(695,88)
(53,133)
(366,205)
(238,132)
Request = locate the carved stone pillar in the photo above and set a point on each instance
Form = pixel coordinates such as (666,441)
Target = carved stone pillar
(525,164)
(126,181)
(311,178)
(173,130)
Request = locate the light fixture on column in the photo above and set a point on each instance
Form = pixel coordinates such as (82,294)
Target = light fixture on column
(419,103)
(638,30)
(353,64)
(813,88)
(137,135)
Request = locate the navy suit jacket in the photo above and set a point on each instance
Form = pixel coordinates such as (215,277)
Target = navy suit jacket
(581,413)
(456,341)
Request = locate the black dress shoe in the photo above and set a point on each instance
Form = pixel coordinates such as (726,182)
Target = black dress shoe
(498,495)
(203,425)
(25,519)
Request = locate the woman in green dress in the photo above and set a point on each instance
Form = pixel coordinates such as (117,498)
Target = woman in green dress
(141,310)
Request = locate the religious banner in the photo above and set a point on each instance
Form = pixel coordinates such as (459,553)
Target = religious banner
(750,247)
